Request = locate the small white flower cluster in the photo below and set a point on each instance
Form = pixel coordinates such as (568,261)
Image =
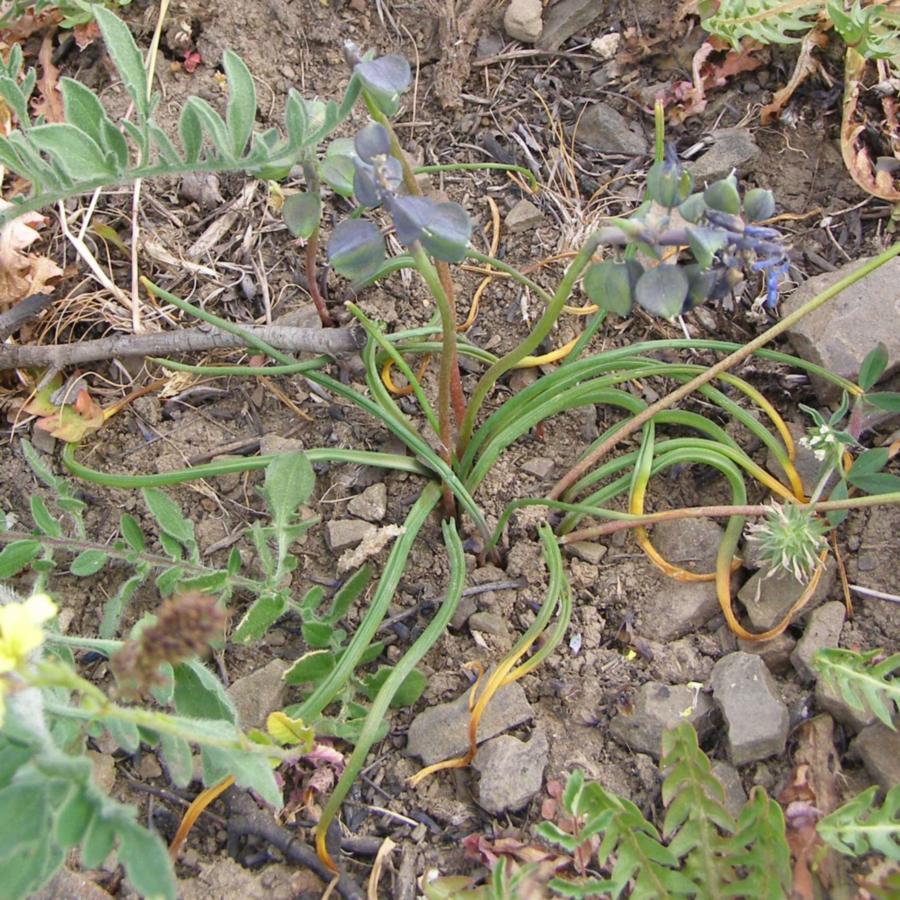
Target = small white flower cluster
(823,441)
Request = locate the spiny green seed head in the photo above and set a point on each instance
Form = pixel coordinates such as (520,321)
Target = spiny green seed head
(790,540)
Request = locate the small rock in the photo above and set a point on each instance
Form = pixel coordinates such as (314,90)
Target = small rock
(261,692)
(731,149)
(823,630)
(104,770)
(511,771)
(692,544)
(464,609)
(272,444)
(879,749)
(839,334)
(489,624)
(658,708)
(735,795)
(675,608)
(540,466)
(522,20)
(441,732)
(201,188)
(371,504)
(42,440)
(149,767)
(829,699)
(768,598)
(565,18)
(775,653)
(587,551)
(341,534)
(521,378)
(755,716)
(606,130)
(607,46)
(523,216)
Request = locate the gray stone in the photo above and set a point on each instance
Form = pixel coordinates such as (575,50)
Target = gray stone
(371,504)
(755,716)
(540,466)
(565,18)
(768,598)
(731,148)
(672,609)
(341,534)
(879,749)
(829,699)
(730,779)
(658,708)
(522,20)
(823,630)
(523,217)
(775,653)
(692,544)
(42,440)
(466,607)
(261,692)
(441,732)
(489,624)
(511,771)
(587,551)
(606,130)
(839,334)
(808,467)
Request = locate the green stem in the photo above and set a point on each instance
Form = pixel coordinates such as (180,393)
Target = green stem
(401,671)
(529,345)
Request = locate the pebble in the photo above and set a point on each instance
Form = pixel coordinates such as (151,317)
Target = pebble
(731,148)
(730,779)
(104,770)
(489,624)
(261,692)
(768,598)
(658,708)
(371,504)
(755,716)
(540,466)
(149,767)
(823,630)
(441,732)
(879,748)
(511,771)
(522,20)
(839,334)
(775,653)
(692,544)
(524,216)
(342,534)
(606,130)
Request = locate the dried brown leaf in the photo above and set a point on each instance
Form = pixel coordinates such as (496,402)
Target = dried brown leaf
(49,105)
(22,273)
(806,66)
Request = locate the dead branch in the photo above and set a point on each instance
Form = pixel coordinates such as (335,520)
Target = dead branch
(331,342)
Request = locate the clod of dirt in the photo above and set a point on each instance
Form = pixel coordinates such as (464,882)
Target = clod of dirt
(756,718)
(879,749)
(261,692)
(823,630)
(523,217)
(72,886)
(441,732)
(511,771)
(587,551)
(225,878)
(201,188)
(839,334)
(735,795)
(672,609)
(606,130)
(566,18)
(341,534)
(371,504)
(522,20)
(768,597)
(658,708)
(732,148)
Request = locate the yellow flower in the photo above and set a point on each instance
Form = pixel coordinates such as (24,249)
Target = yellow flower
(20,629)
(20,635)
